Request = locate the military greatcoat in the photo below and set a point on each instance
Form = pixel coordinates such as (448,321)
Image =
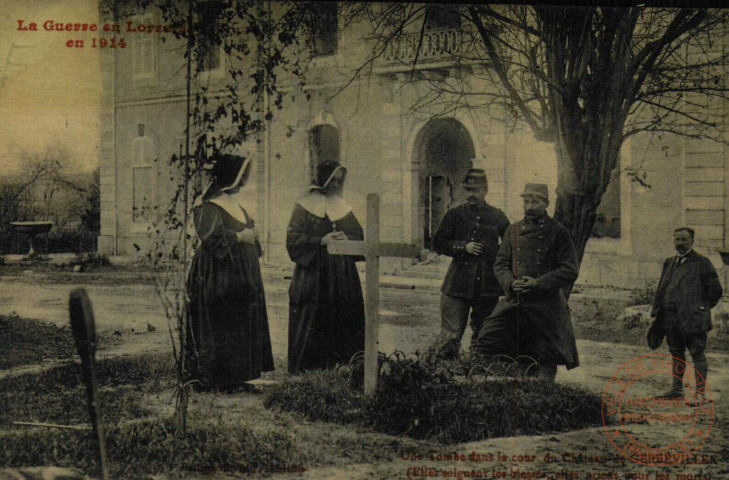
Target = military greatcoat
(542,249)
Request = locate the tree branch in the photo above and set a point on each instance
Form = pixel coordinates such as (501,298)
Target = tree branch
(501,72)
(644,61)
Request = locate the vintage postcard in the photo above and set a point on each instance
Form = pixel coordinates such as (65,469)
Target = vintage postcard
(363,240)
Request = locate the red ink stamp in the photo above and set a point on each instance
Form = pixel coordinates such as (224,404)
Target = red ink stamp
(655,431)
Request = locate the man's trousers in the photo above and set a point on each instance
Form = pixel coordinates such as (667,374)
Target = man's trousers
(454,314)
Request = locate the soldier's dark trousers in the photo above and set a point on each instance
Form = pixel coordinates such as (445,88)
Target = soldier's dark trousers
(678,342)
(505,334)
(454,312)
(496,337)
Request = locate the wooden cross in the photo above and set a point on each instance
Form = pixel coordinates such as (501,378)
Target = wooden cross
(372,250)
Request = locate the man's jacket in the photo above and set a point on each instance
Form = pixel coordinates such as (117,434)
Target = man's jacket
(697,290)
(471,276)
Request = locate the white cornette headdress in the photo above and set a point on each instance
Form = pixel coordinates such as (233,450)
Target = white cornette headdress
(231,203)
(235,183)
(334,172)
(239,177)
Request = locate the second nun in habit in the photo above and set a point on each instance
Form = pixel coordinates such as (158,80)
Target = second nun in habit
(326,309)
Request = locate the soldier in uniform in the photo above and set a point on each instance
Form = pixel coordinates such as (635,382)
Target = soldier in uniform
(536,260)
(470,233)
(689,288)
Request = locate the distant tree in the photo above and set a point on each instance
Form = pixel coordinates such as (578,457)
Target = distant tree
(58,191)
(47,187)
(91,213)
(18,193)
(15,203)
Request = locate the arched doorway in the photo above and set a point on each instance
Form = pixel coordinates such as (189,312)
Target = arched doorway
(444,150)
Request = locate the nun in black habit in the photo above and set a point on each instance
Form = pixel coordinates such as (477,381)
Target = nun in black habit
(326,309)
(228,323)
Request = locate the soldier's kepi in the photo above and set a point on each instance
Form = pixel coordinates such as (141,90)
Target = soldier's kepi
(536,261)
(470,233)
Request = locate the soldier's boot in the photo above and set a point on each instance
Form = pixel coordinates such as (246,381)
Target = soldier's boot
(548,372)
(701,369)
(676,391)
(449,350)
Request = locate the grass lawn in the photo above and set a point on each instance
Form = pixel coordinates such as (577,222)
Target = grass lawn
(27,342)
(226,433)
(303,423)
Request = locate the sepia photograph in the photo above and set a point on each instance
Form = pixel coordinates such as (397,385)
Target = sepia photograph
(363,240)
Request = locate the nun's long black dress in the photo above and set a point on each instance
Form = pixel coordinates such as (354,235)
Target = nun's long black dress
(228,323)
(326,309)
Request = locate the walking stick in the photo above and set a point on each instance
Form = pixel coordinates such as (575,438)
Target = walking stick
(84,333)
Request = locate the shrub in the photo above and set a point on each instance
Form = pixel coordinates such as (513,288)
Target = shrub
(722,321)
(632,320)
(643,296)
(90,260)
(56,241)
(422,398)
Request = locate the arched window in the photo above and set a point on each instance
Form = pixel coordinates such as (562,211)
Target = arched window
(143,177)
(323,146)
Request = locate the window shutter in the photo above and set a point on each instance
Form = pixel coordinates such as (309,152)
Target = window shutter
(143,179)
(148,56)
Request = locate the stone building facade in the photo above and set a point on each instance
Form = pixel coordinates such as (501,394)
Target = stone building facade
(411,158)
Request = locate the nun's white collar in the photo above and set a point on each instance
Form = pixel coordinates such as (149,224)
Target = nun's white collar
(320,205)
(232,205)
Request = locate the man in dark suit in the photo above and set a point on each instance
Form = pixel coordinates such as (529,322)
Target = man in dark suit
(535,262)
(470,233)
(689,288)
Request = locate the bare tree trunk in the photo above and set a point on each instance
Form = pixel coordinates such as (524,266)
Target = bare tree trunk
(579,195)
(574,207)
(588,115)
(577,213)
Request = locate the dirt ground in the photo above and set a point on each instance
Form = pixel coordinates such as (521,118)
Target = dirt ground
(409,322)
